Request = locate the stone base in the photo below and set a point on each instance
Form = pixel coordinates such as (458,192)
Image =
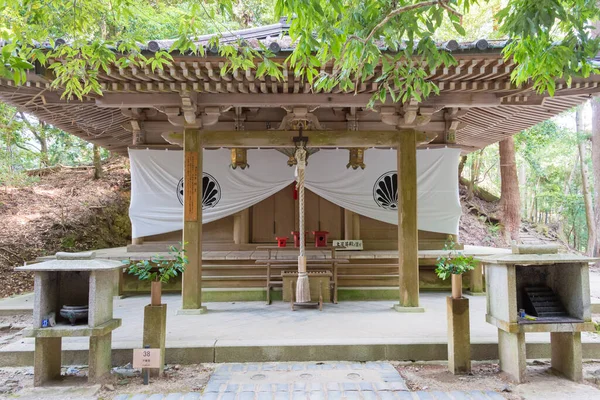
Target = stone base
(399,308)
(47,360)
(512,356)
(459,336)
(155,332)
(192,311)
(566,354)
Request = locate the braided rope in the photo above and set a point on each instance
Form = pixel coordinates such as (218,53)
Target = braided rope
(301,159)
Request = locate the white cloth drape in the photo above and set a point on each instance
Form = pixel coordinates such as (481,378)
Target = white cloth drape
(156,186)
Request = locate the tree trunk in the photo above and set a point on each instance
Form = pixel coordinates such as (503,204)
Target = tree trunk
(596,157)
(97,162)
(510,198)
(533,203)
(585,183)
(475,167)
(461,166)
(42,138)
(561,217)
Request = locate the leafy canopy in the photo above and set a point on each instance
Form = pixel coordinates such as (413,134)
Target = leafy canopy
(550,39)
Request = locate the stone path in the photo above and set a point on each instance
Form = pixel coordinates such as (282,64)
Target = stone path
(311,381)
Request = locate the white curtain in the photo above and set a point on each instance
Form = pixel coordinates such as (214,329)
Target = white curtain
(157,186)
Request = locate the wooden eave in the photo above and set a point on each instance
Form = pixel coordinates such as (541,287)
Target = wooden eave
(479,84)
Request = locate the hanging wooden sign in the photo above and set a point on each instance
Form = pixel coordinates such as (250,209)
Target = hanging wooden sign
(348,244)
(190,188)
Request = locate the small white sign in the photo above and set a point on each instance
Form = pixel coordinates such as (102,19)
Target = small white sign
(348,244)
(146,358)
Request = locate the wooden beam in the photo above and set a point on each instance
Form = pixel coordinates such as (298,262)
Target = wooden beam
(141,100)
(192,223)
(408,242)
(321,139)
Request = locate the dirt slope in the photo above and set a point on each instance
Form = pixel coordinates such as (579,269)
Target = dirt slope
(66,210)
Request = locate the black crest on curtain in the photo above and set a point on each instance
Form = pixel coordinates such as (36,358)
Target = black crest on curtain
(385,191)
(211,191)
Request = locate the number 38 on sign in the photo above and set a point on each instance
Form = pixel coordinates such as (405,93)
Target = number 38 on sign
(146,358)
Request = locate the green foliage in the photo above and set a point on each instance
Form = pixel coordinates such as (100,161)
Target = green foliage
(159,269)
(454,262)
(338,43)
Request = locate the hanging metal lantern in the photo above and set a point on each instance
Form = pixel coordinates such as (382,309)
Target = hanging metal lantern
(357,158)
(239,158)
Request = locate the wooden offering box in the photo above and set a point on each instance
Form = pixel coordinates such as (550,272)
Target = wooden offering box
(554,292)
(74,281)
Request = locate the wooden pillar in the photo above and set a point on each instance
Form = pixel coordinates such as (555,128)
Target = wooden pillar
(192,223)
(356,226)
(348,231)
(408,260)
(351,225)
(137,240)
(241,224)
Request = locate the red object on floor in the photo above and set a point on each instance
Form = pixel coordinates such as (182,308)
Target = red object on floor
(281,241)
(320,238)
(297,238)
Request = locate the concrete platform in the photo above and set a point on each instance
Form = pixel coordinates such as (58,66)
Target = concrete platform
(255,332)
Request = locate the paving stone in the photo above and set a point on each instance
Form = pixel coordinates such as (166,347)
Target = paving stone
(237,368)
(298,367)
(386,395)
(334,395)
(366,386)
(477,395)
(282,396)
(121,397)
(456,395)
(139,397)
(228,396)
(246,396)
(232,388)
(253,367)
(299,386)
(282,387)
(494,395)
(213,387)
(265,396)
(248,387)
(210,396)
(327,367)
(405,396)
(397,386)
(157,396)
(265,387)
(369,395)
(314,387)
(351,395)
(316,395)
(314,367)
(357,366)
(268,367)
(333,386)
(192,396)
(347,386)
(440,395)
(174,396)
(423,395)
(299,396)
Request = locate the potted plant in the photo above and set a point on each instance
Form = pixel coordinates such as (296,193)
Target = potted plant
(159,270)
(454,264)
